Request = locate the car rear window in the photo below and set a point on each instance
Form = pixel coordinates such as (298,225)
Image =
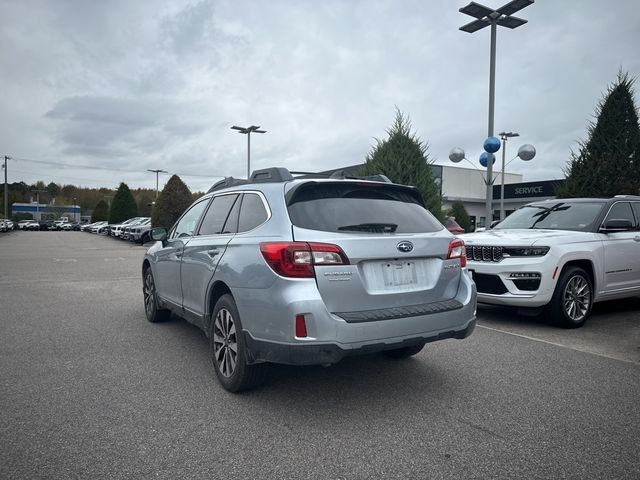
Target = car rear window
(359,207)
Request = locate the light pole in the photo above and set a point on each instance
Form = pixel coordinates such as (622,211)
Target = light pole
(156,172)
(38,202)
(504,136)
(75,216)
(247,131)
(486,16)
(6,188)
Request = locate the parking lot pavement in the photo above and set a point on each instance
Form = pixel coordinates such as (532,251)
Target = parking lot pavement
(613,330)
(90,389)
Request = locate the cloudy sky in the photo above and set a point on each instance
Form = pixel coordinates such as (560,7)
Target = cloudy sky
(118,87)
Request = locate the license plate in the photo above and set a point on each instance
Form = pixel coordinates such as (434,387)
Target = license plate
(399,274)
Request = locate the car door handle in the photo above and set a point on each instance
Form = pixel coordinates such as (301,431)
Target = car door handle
(213,252)
(178,254)
(636,239)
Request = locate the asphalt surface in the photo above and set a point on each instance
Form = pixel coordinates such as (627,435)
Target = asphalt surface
(90,389)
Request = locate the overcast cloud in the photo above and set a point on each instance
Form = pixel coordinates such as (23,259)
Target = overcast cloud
(131,85)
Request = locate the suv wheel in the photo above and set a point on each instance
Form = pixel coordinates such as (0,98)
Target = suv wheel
(573,298)
(404,352)
(229,351)
(154,314)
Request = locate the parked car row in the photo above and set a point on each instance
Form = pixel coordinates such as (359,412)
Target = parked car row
(46,225)
(134,229)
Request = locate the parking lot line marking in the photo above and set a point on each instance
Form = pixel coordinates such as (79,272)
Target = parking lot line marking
(558,345)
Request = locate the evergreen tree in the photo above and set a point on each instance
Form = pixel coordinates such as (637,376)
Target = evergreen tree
(458,211)
(608,162)
(123,205)
(171,203)
(100,212)
(403,158)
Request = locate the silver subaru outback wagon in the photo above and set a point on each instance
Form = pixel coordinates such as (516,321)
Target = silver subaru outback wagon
(306,271)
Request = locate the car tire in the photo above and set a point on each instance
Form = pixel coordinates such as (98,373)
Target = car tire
(231,366)
(404,352)
(153,312)
(144,239)
(572,299)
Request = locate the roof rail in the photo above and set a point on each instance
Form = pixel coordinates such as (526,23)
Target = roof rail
(271,175)
(227,182)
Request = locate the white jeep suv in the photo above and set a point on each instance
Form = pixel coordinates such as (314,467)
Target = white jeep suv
(560,256)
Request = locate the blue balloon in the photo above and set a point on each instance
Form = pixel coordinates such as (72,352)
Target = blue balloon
(483,159)
(491,145)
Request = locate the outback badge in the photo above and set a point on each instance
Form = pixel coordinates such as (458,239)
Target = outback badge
(405,246)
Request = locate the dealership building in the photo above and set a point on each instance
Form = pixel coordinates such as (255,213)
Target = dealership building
(45,211)
(468,186)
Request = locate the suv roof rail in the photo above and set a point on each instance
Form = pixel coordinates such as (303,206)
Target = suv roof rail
(633,197)
(271,175)
(227,182)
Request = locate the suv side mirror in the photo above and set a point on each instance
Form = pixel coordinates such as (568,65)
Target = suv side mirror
(158,234)
(616,225)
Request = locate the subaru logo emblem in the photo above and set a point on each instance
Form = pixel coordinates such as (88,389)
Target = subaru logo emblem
(405,247)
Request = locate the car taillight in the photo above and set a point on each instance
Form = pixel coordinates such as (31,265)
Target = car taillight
(457,250)
(296,259)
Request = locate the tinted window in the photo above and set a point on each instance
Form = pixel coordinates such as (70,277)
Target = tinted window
(554,216)
(621,211)
(252,212)
(217,214)
(360,207)
(187,224)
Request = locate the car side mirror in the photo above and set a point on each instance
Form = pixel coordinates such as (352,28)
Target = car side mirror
(616,225)
(158,234)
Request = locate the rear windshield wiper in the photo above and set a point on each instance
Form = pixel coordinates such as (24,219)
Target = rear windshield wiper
(371,227)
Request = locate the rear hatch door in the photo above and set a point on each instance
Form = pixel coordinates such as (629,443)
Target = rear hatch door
(397,250)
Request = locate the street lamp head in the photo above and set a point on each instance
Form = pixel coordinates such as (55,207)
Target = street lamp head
(505,135)
(456,155)
(526,152)
(486,16)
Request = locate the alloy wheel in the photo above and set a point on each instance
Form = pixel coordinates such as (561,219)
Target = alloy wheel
(149,294)
(577,298)
(225,342)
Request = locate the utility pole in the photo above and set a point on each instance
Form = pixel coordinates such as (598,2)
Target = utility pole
(156,172)
(6,188)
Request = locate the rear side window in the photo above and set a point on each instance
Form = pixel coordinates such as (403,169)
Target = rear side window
(636,210)
(360,207)
(216,216)
(252,212)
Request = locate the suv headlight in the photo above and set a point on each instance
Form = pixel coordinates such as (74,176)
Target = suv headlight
(525,251)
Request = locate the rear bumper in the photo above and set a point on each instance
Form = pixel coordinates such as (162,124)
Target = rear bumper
(323,353)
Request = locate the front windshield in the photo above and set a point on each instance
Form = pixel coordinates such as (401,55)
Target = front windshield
(555,216)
